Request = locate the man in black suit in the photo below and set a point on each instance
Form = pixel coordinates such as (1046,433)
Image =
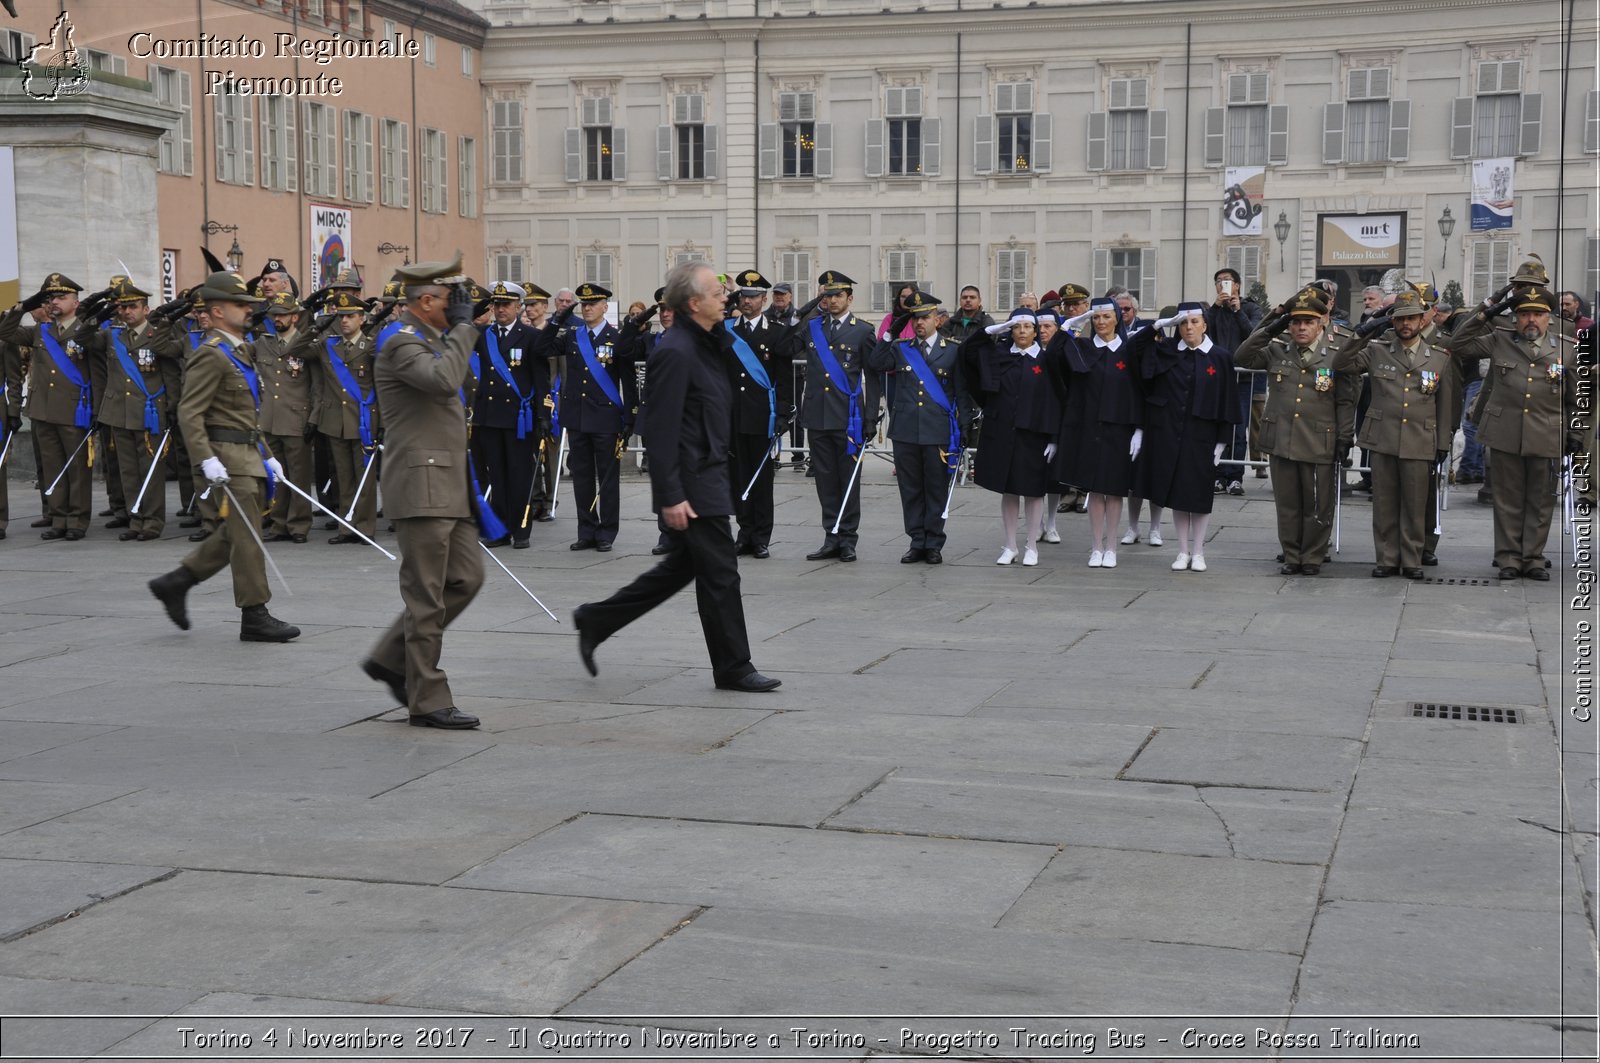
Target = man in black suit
(513,379)
(598,396)
(687,424)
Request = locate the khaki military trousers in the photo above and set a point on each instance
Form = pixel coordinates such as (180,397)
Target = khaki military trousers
(349,462)
(440,573)
(232,545)
(69,506)
(133,462)
(1524,499)
(1400,514)
(1304,494)
(291,514)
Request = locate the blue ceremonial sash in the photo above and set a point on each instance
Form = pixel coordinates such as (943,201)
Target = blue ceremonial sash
(836,373)
(152,414)
(347,381)
(525,410)
(266,323)
(253,381)
(490,526)
(83,417)
(386,333)
(758,373)
(602,378)
(912,352)
(555,409)
(196,338)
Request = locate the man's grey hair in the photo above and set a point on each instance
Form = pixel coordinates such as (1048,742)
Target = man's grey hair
(1372,288)
(566,291)
(1133,300)
(681,287)
(417,291)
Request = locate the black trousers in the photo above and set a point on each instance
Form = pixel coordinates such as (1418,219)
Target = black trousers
(507,463)
(924,481)
(755,512)
(593,461)
(833,465)
(702,552)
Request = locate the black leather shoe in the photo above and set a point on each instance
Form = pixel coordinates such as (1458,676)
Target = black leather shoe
(343,538)
(451,719)
(934,557)
(913,555)
(73,535)
(170,590)
(258,625)
(751,683)
(42,522)
(760,552)
(824,554)
(1279,559)
(604,548)
(1290,569)
(586,641)
(1310,570)
(189,522)
(582,544)
(108,513)
(520,544)
(1540,575)
(660,548)
(297,538)
(119,522)
(847,554)
(127,537)
(1429,558)
(1510,573)
(149,535)
(53,533)
(278,537)
(389,677)
(1412,573)
(200,536)
(1384,571)
(545,518)
(744,549)
(504,540)
(2,533)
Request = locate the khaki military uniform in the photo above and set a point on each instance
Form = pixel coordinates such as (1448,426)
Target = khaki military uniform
(218,417)
(126,412)
(427,491)
(1407,425)
(53,402)
(1310,410)
(338,417)
(1522,424)
(291,382)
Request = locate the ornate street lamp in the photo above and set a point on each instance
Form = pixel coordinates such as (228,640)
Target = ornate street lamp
(1447,225)
(1281,229)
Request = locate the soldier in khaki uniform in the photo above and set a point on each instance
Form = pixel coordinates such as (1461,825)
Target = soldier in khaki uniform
(290,382)
(1532,373)
(218,413)
(347,414)
(137,407)
(1308,425)
(1407,429)
(60,401)
(427,489)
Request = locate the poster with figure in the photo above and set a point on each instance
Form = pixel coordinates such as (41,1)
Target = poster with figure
(1243,189)
(330,243)
(1492,194)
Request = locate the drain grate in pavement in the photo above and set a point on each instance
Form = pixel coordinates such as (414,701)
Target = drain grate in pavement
(1457,581)
(1467,713)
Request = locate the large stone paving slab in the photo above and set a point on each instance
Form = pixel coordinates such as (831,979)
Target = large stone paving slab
(393,838)
(23,804)
(1197,900)
(1238,758)
(20,738)
(1504,789)
(122,1010)
(959,882)
(937,695)
(35,892)
(367,943)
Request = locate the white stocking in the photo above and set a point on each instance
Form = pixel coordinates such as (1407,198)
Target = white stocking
(1008,519)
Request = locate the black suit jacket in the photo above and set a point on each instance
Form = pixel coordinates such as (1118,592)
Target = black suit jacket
(688,419)
(496,405)
(775,346)
(584,407)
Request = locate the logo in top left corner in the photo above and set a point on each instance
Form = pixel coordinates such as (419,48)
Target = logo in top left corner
(55,69)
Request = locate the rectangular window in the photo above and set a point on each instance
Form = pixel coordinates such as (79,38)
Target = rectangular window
(597,268)
(1128,125)
(597,138)
(507,142)
(389,31)
(280,168)
(797,115)
(689,135)
(794,268)
(1245,259)
(1010,279)
(16,46)
(435,186)
(899,269)
(1247,136)
(1495,125)
(1491,268)
(357,157)
(466,61)
(508,267)
(1366,132)
(106,63)
(235,138)
(430,49)
(903,113)
(467,176)
(321,153)
(1013,110)
(176,149)
(396,163)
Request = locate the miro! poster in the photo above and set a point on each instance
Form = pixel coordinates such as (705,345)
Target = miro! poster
(330,243)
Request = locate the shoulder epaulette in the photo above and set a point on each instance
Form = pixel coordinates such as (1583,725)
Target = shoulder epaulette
(409,330)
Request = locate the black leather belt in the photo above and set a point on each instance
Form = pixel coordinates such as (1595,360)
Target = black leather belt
(229,435)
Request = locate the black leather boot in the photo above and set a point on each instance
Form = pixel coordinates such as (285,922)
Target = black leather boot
(171,589)
(258,625)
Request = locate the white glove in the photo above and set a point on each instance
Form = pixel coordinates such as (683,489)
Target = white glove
(998,327)
(214,471)
(1166,322)
(1049,452)
(1075,323)
(275,467)
(1216,454)
(1137,443)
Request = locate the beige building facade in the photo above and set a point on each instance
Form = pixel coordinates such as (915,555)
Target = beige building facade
(1019,146)
(279,121)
